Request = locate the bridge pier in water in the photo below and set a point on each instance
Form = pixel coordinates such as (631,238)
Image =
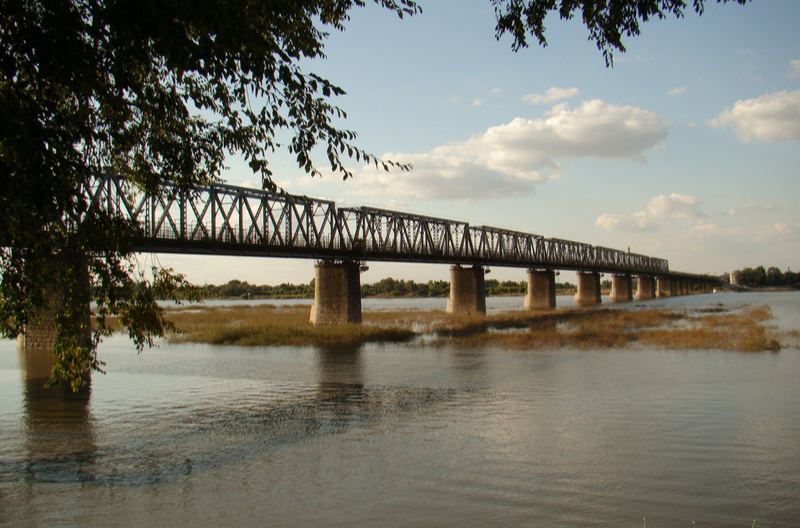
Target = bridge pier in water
(70,281)
(588,292)
(337,293)
(646,288)
(541,290)
(467,290)
(621,288)
(664,287)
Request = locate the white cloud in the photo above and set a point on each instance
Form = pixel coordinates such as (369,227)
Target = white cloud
(658,212)
(794,65)
(478,102)
(779,231)
(510,159)
(772,117)
(752,207)
(626,222)
(678,90)
(551,95)
(704,229)
(782,227)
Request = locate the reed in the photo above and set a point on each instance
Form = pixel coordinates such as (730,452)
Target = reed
(739,330)
(708,328)
(267,325)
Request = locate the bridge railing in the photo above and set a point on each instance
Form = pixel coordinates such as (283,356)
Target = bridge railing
(228,218)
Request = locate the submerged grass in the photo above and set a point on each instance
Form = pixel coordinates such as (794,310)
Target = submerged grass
(707,328)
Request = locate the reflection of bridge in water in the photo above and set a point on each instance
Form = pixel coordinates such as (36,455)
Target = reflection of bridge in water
(223,219)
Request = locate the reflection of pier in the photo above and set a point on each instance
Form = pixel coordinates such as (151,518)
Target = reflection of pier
(340,389)
(59,436)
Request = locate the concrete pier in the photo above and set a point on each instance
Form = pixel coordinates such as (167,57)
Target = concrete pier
(541,290)
(621,288)
(664,288)
(588,288)
(40,334)
(646,288)
(70,284)
(467,290)
(337,293)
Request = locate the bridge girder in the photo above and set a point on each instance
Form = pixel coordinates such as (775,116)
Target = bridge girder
(225,219)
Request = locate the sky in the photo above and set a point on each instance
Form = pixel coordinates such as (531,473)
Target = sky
(688,148)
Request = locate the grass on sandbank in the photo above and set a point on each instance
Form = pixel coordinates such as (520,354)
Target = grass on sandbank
(706,328)
(740,330)
(267,325)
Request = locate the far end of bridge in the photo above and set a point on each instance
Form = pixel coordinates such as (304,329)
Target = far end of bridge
(337,292)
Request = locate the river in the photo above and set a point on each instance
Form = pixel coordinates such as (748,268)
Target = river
(395,436)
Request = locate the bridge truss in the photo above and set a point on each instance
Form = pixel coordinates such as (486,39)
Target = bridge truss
(224,219)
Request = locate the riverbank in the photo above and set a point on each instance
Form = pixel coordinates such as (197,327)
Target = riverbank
(745,329)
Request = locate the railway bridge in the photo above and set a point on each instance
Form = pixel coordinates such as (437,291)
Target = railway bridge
(230,220)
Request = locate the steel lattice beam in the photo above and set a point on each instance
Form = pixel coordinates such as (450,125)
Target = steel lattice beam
(239,221)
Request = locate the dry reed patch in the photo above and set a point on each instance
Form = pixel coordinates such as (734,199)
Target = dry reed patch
(600,328)
(421,321)
(705,328)
(481,328)
(623,321)
(544,330)
(790,338)
(738,330)
(188,319)
(267,325)
(308,335)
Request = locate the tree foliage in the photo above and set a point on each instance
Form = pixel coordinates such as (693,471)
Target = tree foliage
(244,290)
(760,277)
(607,21)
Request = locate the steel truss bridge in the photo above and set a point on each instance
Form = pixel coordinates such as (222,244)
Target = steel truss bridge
(225,219)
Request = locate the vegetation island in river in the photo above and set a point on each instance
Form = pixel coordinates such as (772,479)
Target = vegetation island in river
(744,329)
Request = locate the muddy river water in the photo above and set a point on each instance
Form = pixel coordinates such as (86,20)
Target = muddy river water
(397,436)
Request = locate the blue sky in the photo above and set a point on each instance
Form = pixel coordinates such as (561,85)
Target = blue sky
(687,149)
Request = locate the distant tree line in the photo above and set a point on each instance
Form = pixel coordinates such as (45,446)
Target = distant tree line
(388,287)
(770,277)
(495,287)
(245,290)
